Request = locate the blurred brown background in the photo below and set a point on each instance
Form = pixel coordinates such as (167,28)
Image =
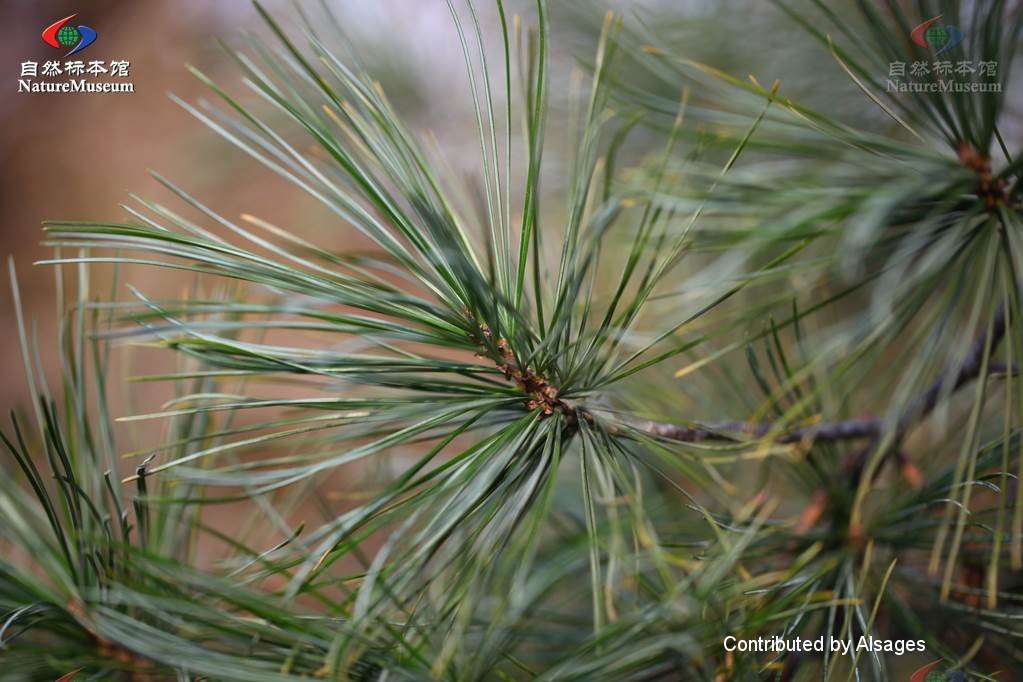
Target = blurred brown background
(76,156)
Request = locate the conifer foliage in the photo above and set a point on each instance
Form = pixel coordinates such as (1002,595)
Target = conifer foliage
(726,367)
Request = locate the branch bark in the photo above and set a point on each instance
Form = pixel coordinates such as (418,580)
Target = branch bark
(852,429)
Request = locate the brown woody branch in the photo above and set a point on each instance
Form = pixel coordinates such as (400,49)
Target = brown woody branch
(852,429)
(541,393)
(545,396)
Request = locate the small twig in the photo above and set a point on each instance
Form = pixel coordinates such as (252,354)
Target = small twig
(845,430)
(989,188)
(968,371)
(852,429)
(540,393)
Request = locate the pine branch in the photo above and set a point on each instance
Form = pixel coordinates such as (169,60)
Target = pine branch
(454,557)
(851,429)
(967,372)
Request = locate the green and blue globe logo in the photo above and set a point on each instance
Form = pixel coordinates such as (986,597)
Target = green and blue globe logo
(936,36)
(68,36)
(62,34)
